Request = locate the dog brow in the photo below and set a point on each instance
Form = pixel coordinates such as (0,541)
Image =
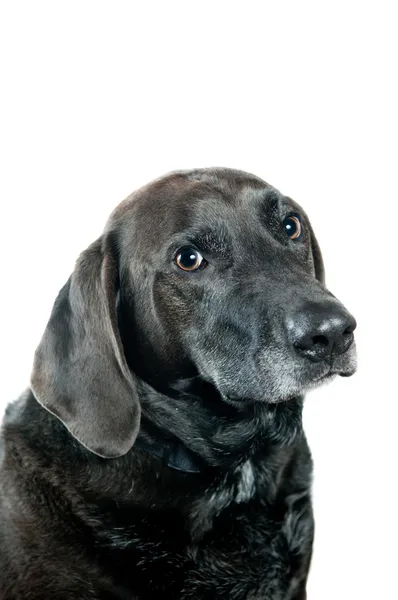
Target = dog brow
(213,242)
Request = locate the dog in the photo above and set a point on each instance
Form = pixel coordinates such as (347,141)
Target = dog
(159,452)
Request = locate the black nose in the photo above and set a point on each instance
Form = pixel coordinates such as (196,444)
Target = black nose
(321,331)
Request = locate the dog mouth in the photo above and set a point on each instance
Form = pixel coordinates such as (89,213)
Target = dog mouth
(342,366)
(331,373)
(308,379)
(345,364)
(289,378)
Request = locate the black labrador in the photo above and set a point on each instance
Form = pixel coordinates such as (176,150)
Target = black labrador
(159,453)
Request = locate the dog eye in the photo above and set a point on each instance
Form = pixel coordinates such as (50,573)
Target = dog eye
(292,226)
(189,259)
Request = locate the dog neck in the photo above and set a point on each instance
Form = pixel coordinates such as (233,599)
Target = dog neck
(191,432)
(172,453)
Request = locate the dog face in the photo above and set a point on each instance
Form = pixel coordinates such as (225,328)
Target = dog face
(227,277)
(210,275)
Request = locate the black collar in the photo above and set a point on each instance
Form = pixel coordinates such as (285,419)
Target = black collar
(173,454)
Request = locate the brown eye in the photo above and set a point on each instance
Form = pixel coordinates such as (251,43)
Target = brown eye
(189,259)
(292,226)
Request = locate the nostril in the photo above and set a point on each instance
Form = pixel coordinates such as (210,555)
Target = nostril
(351,326)
(320,340)
(349,330)
(314,347)
(311,344)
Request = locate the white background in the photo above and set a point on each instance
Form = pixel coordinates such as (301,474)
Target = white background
(99,98)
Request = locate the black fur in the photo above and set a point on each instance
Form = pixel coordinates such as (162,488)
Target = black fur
(216,360)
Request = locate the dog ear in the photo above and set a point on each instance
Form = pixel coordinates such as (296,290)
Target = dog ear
(317,258)
(80,373)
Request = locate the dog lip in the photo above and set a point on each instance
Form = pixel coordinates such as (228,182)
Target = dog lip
(347,373)
(332,372)
(317,379)
(344,370)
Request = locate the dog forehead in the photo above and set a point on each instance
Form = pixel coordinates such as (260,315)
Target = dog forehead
(182,195)
(214,200)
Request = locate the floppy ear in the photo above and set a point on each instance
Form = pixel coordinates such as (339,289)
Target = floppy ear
(80,372)
(317,258)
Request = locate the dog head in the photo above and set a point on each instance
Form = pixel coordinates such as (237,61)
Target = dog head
(208,275)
